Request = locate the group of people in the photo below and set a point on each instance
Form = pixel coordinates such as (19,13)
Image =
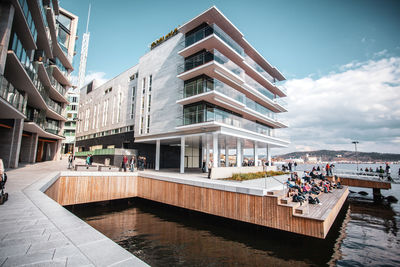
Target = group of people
(309,187)
(89,160)
(140,163)
(387,171)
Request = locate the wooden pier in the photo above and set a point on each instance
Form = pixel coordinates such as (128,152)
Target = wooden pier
(229,199)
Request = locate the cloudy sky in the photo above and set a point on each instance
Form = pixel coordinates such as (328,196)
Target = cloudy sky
(341,58)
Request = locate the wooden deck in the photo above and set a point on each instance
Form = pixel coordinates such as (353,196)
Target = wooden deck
(367,183)
(248,205)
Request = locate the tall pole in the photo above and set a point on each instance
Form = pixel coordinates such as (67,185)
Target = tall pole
(355,146)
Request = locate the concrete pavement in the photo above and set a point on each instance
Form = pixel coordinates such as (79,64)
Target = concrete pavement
(36,231)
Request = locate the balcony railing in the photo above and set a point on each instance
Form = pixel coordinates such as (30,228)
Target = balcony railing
(23,56)
(207,31)
(12,95)
(259,69)
(60,66)
(260,109)
(58,86)
(209,84)
(52,127)
(208,56)
(281,102)
(28,17)
(255,85)
(36,116)
(217,115)
(54,106)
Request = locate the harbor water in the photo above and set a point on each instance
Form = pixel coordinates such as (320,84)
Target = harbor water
(365,233)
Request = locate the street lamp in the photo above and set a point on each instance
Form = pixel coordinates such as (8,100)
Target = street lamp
(355,146)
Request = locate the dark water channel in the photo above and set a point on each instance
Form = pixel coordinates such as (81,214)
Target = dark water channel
(364,234)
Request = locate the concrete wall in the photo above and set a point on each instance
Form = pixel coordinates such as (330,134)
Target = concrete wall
(120,85)
(6,18)
(162,63)
(226,172)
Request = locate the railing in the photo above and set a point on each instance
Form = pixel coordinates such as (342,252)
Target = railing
(259,69)
(209,84)
(282,88)
(255,85)
(208,30)
(281,102)
(52,127)
(28,17)
(214,114)
(208,56)
(57,86)
(54,105)
(60,66)
(260,109)
(23,56)
(12,95)
(96,152)
(38,117)
(43,13)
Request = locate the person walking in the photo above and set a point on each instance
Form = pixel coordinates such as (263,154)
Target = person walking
(88,161)
(70,161)
(124,162)
(328,170)
(132,163)
(209,169)
(91,159)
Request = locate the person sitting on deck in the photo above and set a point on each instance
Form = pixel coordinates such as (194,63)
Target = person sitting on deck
(306,177)
(314,200)
(318,169)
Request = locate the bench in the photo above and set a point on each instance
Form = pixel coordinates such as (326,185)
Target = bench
(86,166)
(109,167)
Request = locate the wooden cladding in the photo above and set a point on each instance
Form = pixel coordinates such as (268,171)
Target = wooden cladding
(260,210)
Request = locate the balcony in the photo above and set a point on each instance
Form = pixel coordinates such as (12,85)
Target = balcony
(36,122)
(208,62)
(24,24)
(52,127)
(211,117)
(15,99)
(60,73)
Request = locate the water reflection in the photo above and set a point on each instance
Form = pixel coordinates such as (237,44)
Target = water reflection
(166,236)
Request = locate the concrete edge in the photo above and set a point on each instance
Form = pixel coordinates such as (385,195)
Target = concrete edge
(95,246)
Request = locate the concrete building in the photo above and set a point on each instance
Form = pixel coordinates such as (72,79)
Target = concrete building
(70,125)
(36,50)
(202,93)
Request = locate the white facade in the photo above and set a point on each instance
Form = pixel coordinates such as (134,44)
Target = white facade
(203,92)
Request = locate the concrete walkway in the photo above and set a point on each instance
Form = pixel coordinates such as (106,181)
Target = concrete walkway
(36,231)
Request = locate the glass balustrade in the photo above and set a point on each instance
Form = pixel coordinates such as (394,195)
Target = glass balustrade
(51,126)
(217,115)
(60,66)
(206,84)
(259,69)
(255,85)
(282,102)
(12,95)
(260,109)
(54,105)
(28,17)
(207,30)
(207,56)
(58,86)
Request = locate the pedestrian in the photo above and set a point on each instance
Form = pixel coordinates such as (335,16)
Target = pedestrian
(132,163)
(328,169)
(70,161)
(144,163)
(290,166)
(209,169)
(295,165)
(124,162)
(87,161)
(203,166)
(91,159)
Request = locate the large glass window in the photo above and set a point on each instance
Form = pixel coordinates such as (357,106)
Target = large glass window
(65,21)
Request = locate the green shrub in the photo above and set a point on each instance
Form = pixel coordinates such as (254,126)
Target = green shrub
(254,175)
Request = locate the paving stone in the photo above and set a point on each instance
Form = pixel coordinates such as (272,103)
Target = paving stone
(104,252)
(133,261)
(14,250)
(31,233)
(36,247)
(78,260)
(84,235)
(28,258)
(50,263)
(29,239)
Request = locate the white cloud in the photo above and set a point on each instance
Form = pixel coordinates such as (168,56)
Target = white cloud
(361,102)
(99,76)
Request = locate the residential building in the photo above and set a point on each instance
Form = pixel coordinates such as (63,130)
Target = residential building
(36,51)
(70,125)
(202,93)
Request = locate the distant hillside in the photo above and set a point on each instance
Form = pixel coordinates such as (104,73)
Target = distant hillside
(342,155)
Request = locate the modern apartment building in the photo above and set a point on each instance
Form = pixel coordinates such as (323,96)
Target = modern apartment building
(70,125)
(202,93)
(37,46)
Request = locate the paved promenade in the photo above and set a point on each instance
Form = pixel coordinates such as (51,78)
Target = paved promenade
(36,231)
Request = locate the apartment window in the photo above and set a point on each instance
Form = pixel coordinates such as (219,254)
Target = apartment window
(141,125)
(150,82)
(108,90)
(119,107)
(144,85)
(131,78)
(106,109)
(148,123)
(132,110)
(94,117)
(73,107)
(98,116)
(113,111)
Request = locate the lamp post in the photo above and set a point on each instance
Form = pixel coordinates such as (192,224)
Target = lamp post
(355,146)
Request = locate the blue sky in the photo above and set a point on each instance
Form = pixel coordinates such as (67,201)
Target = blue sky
(328,47)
